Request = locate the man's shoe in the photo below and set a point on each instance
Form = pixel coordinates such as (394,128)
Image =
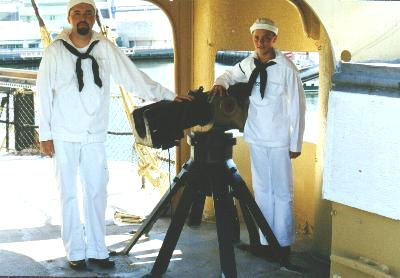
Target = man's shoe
(285,263)
(292,268)
(77,265)
(103,263)
(258,250)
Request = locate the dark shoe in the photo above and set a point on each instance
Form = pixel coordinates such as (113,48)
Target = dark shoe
(253,249)
(284,255)
(292,268)
(263,251)
(103,263)
(77,265)
(285,263)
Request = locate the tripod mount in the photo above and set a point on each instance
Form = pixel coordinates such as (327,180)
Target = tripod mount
(210,171)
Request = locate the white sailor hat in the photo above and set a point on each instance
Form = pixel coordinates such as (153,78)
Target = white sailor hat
(72,3)
(265,24)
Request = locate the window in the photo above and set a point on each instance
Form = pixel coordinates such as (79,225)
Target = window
(33,45)
(105,13)
(10,46)
(8,16)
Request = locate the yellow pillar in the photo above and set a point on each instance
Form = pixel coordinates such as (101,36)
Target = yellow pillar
(180,14)
(323,223)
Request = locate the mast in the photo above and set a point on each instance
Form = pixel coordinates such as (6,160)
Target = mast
(44,34)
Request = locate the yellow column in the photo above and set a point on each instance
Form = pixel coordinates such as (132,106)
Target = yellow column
(323,223)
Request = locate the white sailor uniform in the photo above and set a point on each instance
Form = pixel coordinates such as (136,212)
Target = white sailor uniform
(275,126)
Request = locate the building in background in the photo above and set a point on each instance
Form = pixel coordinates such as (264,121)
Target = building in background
(141,24)
(138,24)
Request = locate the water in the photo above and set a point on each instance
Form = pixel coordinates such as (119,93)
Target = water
(161,71)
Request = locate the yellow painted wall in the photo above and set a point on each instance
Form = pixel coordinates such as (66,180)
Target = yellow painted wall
(224,25)
(322,208)
(304,180)
(358,233)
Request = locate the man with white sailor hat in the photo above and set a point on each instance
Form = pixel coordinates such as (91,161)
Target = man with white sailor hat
(74,92)
(274,130)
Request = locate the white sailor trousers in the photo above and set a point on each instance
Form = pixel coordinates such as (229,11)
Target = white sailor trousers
(273,190)
(88,160)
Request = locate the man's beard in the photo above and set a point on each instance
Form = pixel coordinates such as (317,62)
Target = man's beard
(83,28)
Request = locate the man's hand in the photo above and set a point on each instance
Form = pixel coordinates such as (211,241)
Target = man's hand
(47,148)
(294,155)
(184,98)
(218,90)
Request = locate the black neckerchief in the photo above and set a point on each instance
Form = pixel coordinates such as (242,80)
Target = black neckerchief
(79,72)
(262,70)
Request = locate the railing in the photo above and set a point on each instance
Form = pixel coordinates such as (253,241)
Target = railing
(18,79)
(22,53)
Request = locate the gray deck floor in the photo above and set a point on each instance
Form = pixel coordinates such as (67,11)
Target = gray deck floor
(30,243)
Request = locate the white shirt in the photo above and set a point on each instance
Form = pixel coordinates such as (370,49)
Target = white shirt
(69,115)
(278,119)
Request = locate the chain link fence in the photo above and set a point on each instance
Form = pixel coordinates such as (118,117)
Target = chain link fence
(120,141)
(18,131)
